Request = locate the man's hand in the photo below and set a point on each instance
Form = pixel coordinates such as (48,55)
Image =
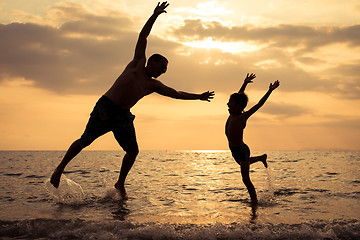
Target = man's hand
(249,79)
(160,8)
(274,85)
(206,96)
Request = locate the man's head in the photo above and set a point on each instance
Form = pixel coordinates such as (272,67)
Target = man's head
(157,65)
(237,103)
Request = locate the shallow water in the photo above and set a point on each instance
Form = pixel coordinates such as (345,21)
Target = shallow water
(183,194)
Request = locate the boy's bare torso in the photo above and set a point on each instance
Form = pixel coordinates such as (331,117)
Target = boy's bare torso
(234,129)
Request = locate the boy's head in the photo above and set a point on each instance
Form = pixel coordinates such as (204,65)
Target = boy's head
(237,102)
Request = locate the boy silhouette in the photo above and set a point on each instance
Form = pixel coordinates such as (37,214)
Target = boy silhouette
(234,131)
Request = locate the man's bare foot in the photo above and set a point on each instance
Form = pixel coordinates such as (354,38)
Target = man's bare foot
(254,202)
(122,191)
(55,178)
(264,160)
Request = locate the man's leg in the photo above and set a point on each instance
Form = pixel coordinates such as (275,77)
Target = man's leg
(125,135)
(259,158)
(128,162)
(73,150)
(245,167)
(97,126)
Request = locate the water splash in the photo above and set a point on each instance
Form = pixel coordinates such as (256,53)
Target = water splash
(110,192)
(270,180)
(68,192)
(267,197)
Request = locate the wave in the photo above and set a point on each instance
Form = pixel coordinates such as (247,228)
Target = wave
(84,229)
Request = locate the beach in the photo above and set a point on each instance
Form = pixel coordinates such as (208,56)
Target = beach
(182,195)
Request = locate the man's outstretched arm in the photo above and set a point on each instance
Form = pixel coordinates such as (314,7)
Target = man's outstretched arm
(170,92)
(145,31)
(247,80)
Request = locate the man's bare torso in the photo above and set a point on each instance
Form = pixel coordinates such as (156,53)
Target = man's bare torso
(131,85)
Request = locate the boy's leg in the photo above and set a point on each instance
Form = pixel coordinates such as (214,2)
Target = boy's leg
(259,158)
(127,163)
(245,169)
(73,150)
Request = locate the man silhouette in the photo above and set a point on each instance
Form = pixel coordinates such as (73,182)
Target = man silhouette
(112,111)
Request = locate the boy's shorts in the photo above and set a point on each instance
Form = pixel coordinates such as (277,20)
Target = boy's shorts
(108,116)
(241,153)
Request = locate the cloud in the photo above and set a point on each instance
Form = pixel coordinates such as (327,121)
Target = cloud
(76,57)
(307,37)
(344,122)
(49,58)
(87,51)
(284,110)
(82,55)
(283,48)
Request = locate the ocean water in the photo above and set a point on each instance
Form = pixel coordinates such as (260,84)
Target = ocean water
(181,195)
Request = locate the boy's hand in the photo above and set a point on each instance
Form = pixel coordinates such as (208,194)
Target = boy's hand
(274,85)
(160,8)
(206,96)
(249,78)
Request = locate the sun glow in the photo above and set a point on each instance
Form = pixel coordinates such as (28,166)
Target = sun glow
(230,47)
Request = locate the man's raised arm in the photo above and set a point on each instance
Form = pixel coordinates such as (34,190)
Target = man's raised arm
(145,31)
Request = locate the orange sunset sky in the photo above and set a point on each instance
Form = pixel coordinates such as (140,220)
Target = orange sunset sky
(58,57)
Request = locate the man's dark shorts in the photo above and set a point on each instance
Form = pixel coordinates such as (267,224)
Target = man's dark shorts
(108,116)
(241,153)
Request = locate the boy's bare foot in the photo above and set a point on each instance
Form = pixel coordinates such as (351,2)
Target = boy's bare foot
(55,178)
(264,160)
(122,191)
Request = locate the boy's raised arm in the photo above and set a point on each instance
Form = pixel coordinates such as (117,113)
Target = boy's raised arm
(247,80)
(145,31)
(272,87)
